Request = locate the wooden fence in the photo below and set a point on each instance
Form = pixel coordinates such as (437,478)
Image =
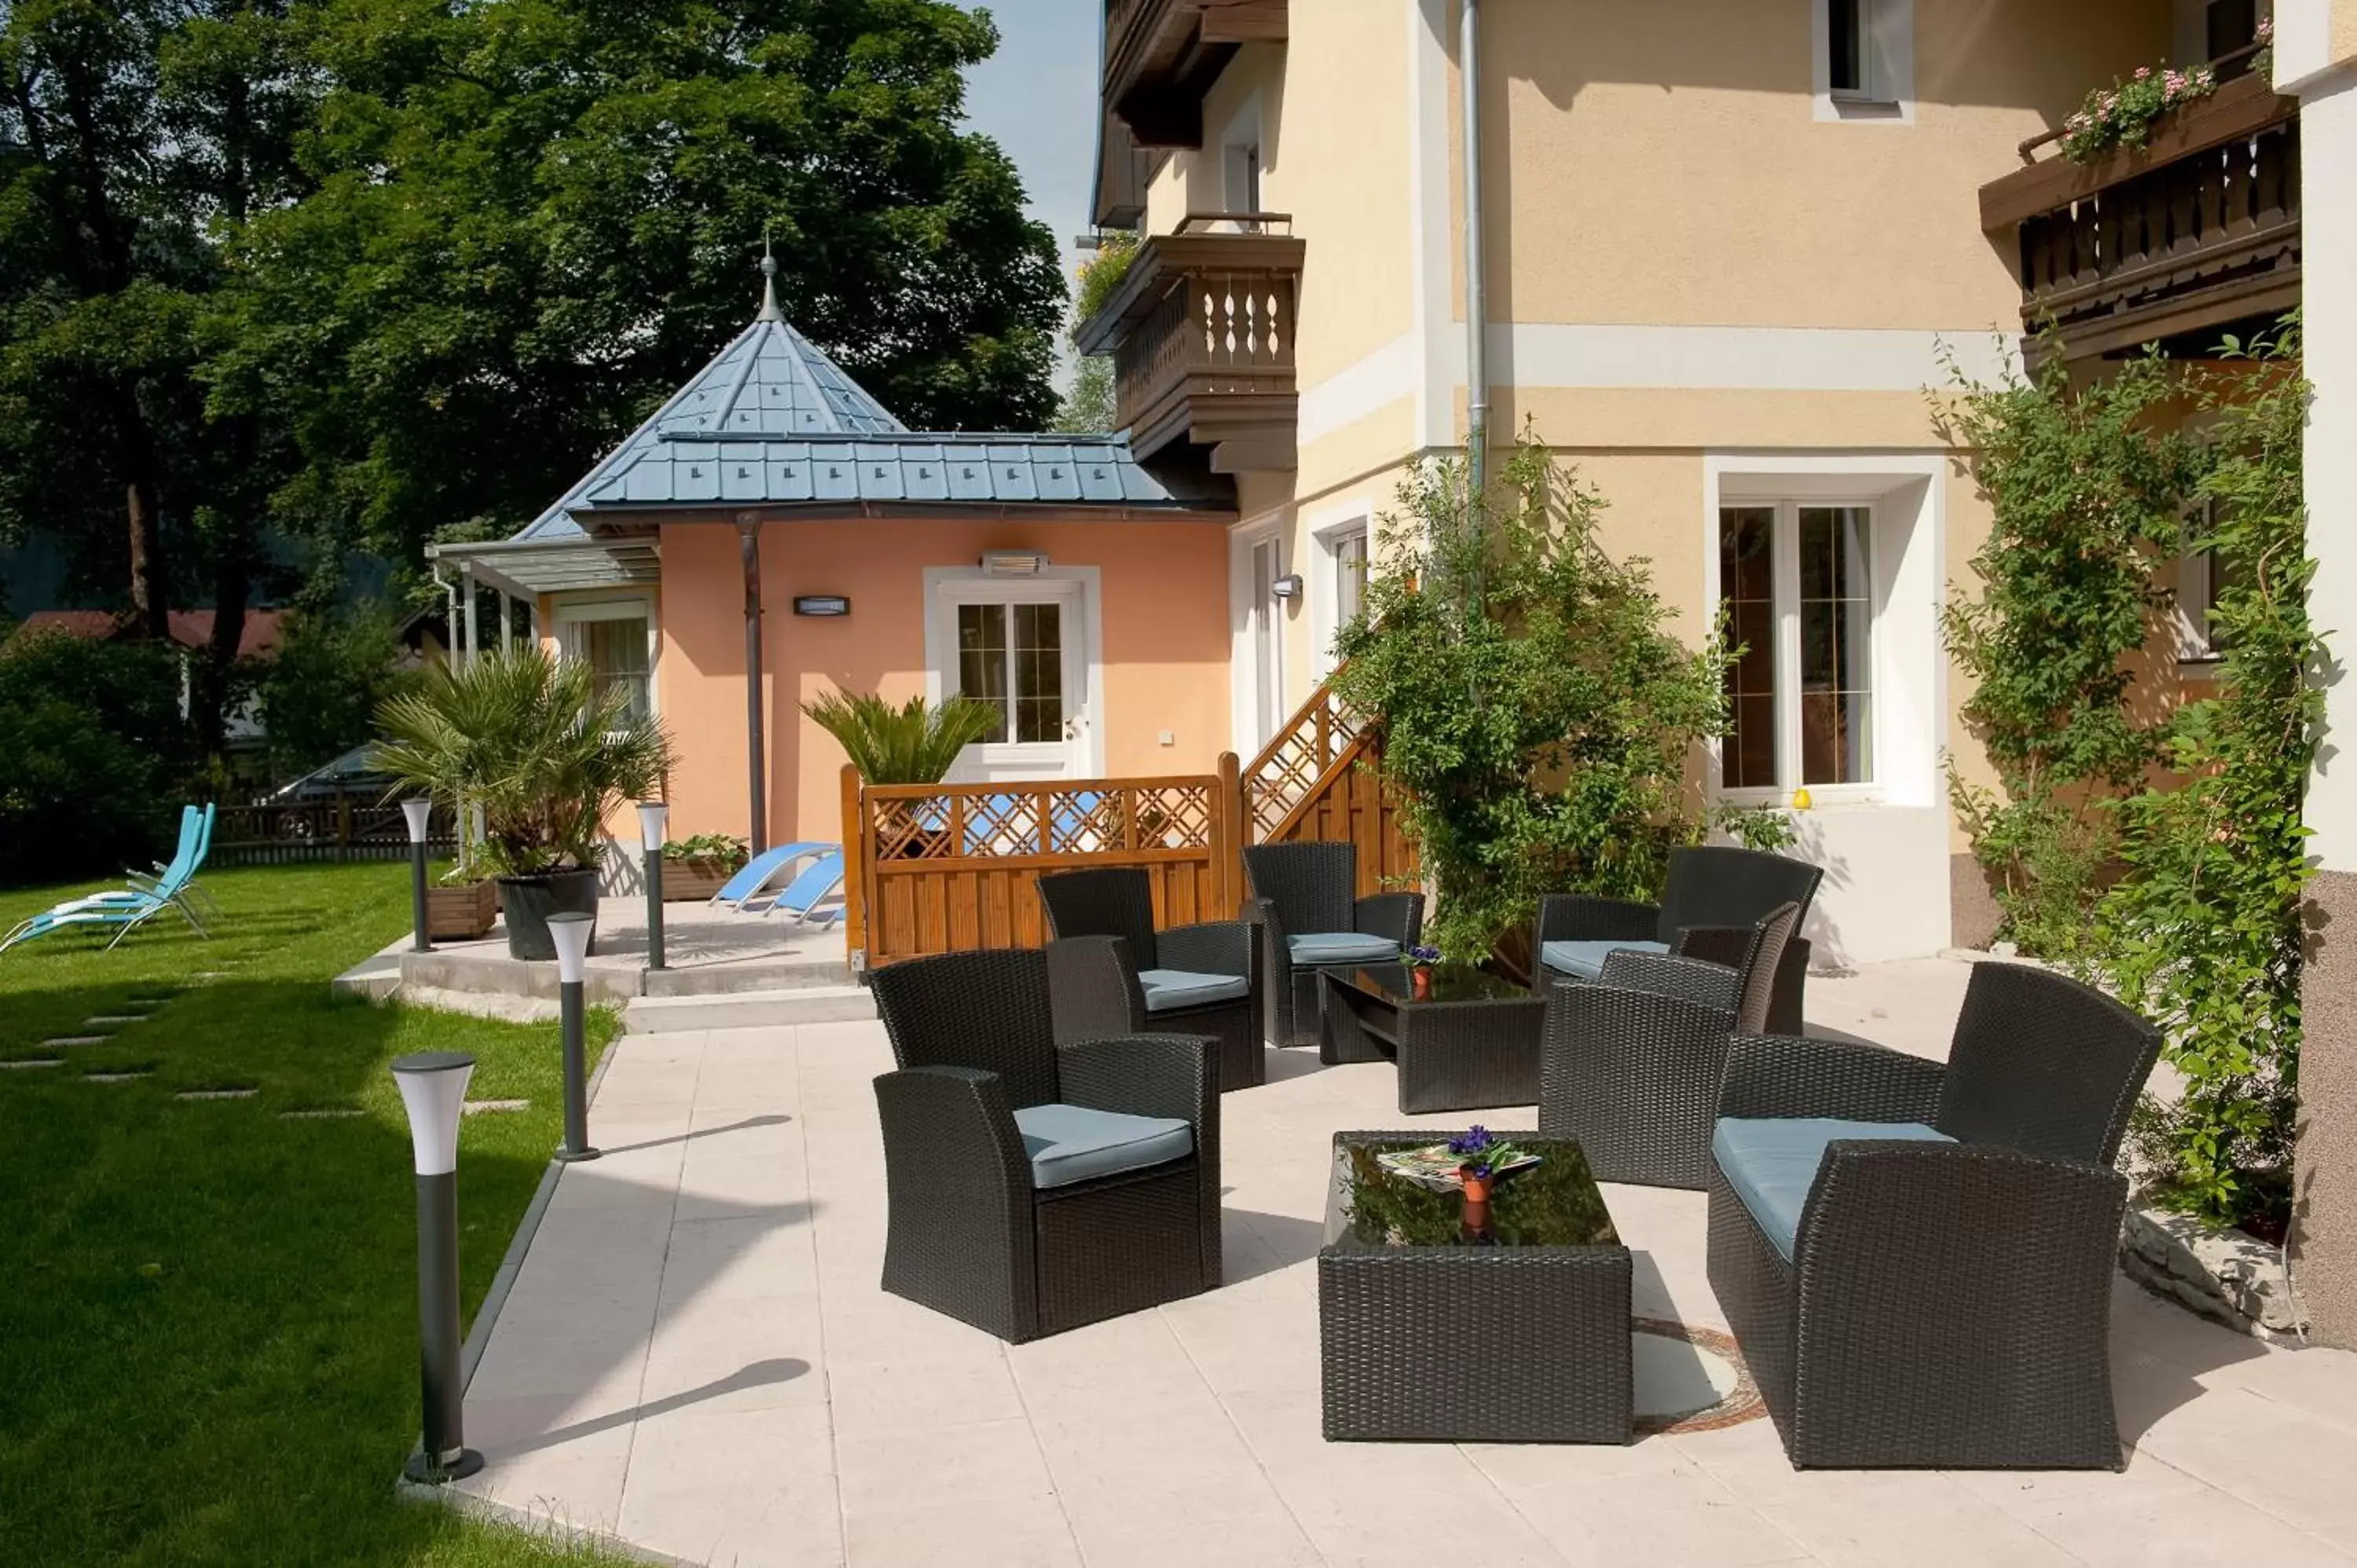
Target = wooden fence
(339,827)
(954,868)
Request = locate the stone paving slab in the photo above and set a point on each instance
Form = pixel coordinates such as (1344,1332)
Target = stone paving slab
(696,1358)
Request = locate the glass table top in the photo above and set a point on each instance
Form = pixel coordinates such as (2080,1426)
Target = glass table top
(1555,1203)
(1395,983)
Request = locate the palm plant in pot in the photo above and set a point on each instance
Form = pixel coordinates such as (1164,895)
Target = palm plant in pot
(545,754)
(916,742)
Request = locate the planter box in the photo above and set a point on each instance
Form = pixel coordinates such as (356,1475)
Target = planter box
(692,881)
(461,914)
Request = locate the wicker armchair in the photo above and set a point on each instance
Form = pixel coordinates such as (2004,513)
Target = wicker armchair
(1713,895)
(1630,1063)
(1033,1186)
(1304,898)
(1189,980)
(1922,1278)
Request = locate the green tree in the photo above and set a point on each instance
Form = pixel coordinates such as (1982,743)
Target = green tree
(1090,407)
(532,219)
(1537,718)
(320,694)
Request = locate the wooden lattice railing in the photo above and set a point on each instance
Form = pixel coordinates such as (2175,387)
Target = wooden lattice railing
(1320,780)
(953,867)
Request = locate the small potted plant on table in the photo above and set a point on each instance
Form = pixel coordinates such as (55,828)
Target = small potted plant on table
(546,755)
(1419,962)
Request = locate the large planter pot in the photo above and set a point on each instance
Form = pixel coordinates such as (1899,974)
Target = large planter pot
(463,913)
(692,881)
(529,901)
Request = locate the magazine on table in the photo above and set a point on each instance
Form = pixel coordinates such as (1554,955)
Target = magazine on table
(1437,1167)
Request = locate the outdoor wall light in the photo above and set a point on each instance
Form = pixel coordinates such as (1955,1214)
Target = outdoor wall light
(1012,563)
(418,813)
(570,930)
(434,1091)
(654,817)
(1287,587)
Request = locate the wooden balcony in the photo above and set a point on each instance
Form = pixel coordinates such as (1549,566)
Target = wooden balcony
(2192,232)
(1162,56)
(1201,338)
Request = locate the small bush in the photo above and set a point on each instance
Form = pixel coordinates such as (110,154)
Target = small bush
(96,756)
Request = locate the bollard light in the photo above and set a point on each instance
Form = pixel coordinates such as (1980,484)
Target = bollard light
(653,816)
(571,931)
(418,813)
(433,1090)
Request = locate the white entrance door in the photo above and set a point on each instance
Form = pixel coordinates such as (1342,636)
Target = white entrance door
(1018,647)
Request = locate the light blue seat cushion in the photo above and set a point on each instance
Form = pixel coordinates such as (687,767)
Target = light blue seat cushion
(1070,1143)
(1772,1164)
(1586,959)
(1341,947)
(1168,988)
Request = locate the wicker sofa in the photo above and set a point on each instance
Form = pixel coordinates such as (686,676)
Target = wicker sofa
(1304,898)
(1033,1186)
(1714,894)
(1630,1063)
(1918,1259)
(1201,979)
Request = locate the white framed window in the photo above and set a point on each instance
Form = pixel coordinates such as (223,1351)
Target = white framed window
(1797,583)
(1340,550)
(1027,646)
(2203,576)
(617,639)
(1864,59)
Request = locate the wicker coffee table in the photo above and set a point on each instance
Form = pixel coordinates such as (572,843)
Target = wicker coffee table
(1465,1040)
(1425,1335)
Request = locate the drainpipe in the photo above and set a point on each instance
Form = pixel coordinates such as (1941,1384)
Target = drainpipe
(473,640)
(450,665)
(748,553)
(1477,292)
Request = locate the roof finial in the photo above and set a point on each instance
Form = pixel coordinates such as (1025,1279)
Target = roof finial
(768,311)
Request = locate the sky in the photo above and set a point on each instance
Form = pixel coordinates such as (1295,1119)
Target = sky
(1038,99)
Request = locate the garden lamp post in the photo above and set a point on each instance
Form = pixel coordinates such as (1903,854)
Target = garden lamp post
(571,931)
(653,815)
(418,812)
(433,1090)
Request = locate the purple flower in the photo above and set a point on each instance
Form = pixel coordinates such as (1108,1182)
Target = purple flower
(1473,1141)
(1423,955)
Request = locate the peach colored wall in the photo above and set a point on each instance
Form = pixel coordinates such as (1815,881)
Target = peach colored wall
(1165,624)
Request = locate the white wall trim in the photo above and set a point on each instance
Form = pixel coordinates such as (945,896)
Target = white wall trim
(1361,389)
(2327,150)
(2303,43)
(947,586)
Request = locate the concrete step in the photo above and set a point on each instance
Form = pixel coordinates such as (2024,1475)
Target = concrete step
(749,1009)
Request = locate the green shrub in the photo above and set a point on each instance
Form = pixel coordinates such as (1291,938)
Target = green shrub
(319,695)
(1537,718)
(95,757)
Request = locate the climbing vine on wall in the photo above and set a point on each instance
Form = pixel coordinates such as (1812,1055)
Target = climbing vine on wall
(2202,932)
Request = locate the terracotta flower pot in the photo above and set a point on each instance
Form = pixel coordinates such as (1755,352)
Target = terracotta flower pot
(1420,981)
(1477,1202)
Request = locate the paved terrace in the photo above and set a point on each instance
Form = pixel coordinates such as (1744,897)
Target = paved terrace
(696,1358)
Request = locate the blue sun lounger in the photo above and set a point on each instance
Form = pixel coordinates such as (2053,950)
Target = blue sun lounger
(753,882)
(811,886)
(125,909)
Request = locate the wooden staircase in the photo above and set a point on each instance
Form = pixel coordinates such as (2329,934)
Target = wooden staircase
(1320,780)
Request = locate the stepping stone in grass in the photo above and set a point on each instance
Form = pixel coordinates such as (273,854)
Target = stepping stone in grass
(79,1040)
(115,1018)
(321,1114)
(31,1061)
(112,1077)
(472,1107)
(217,1094)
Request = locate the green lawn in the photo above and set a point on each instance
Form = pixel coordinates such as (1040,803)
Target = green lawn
(207,1324)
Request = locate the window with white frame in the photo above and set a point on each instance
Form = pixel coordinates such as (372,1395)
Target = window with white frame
(2203,577)
(616,638)
(1865,49)
(1350,555)
(1796,583)
(1011,656)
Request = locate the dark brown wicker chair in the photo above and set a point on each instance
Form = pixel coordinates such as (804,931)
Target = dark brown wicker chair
(1189,980)
(973,1229)
(1925,1281)
(1304,897)
(1630,1063)
(1713,895)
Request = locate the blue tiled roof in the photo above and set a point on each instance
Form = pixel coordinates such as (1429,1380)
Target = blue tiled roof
(773,421)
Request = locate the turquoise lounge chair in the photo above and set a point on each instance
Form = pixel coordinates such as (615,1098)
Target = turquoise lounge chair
(175,881)
(127,912)
(803,895)
(754,880)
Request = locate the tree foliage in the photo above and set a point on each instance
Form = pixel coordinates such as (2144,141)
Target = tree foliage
(2086,487)
(1537,718)
(97,756)
(2203,933)
(319,694)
